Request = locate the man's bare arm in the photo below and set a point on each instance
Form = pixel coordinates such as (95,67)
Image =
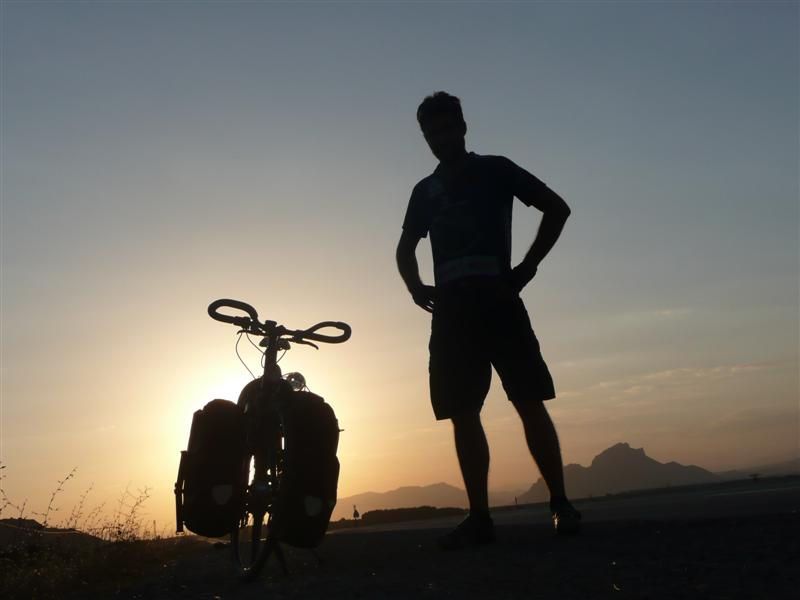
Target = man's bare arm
(422,294)
(555,213)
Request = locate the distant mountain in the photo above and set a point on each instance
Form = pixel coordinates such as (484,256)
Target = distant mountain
(789,467)
(439,495)
(620,468)
(505,497)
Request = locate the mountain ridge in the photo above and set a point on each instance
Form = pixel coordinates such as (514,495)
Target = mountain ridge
(435,494)
(618,468)
(621,468)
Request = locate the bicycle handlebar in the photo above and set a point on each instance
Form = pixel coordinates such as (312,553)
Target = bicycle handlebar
(310,333)
(252,324)
(243,322)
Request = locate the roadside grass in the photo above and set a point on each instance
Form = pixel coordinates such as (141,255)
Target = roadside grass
(88,549)
(40,571)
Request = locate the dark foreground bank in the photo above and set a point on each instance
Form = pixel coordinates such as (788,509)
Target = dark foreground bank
(736,557)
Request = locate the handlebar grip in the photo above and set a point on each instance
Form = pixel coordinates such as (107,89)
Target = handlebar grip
(238,305)
(309,334)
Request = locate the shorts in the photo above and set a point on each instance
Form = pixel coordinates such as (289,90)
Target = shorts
(479,323)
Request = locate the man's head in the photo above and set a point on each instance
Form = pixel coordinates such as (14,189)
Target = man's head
(443,126)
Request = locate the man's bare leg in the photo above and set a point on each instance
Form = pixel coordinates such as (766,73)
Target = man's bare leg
(542,439)
(473,458)
(543,444)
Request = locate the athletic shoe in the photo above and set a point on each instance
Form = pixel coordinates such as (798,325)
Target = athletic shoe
(566,518)
(472,531)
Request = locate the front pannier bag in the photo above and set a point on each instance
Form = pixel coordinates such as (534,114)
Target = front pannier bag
(212,478)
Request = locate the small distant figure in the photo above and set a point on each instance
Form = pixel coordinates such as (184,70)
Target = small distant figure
(356,514)
(515,502)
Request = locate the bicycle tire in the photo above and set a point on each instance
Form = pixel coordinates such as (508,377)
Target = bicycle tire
(250,550)
(251,543)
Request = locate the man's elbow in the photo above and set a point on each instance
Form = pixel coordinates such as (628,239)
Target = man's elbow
(406,246)
(401,251)
(555,205)
(560,210)
(404,253)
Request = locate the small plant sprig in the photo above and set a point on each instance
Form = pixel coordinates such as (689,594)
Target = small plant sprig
(50,508)
(121,504)
(77,510)
(90,522)
(126,523)
(5,501)
(129,529)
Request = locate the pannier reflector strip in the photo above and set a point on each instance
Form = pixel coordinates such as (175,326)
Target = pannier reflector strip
(313,505)
(222,493)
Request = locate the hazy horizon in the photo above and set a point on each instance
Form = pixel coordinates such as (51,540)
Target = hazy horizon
(157,156)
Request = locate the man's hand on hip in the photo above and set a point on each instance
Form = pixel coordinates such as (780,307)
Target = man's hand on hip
(521,275)
(424,297)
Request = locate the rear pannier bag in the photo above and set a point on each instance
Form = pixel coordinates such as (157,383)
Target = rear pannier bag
(212,476)
(311,472)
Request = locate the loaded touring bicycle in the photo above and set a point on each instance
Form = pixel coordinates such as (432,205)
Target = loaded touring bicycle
(263,470)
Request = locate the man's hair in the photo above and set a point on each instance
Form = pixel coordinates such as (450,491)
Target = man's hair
(439,103)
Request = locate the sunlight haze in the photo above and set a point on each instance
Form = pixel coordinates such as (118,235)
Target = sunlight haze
(158,156)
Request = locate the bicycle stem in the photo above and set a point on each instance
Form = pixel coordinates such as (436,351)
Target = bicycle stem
(272,372)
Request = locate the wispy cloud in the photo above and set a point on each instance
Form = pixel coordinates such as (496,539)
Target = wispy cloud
(749,419)
(641,385)
(656,314)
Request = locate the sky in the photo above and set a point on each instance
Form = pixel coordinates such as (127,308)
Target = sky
(157,156)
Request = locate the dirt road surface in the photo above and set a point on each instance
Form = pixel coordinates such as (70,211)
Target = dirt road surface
(742,543)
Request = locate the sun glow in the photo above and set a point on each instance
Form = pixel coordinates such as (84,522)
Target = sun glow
(192,394)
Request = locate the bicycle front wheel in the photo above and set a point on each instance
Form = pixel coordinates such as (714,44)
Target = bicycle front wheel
(251,542)
(250,545)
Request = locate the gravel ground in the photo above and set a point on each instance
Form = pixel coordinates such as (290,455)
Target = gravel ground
(744,557)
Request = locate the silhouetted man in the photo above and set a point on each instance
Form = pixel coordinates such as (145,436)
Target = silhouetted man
(479,320)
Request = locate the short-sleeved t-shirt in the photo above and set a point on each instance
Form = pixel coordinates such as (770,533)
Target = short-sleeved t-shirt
(469,218)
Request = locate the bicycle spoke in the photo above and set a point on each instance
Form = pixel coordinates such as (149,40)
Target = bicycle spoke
(255,539)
